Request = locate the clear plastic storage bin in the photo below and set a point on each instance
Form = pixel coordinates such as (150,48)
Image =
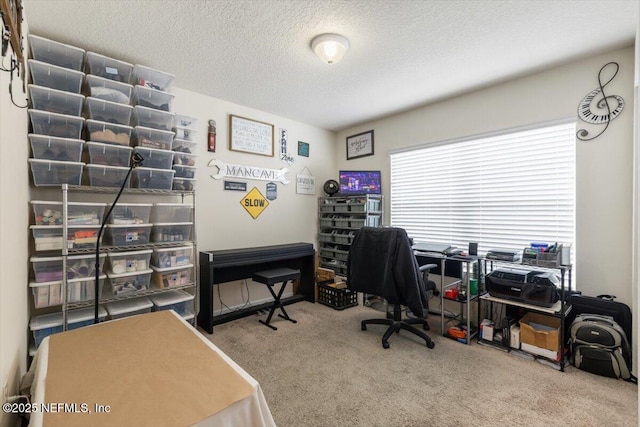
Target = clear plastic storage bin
(184,146)
(171,232)
(107,111)
(79,213)
(131,213)
(84,289)
(54,124)
(159,179)
(109,90)
(107,176)
(46,147)
(129,262)
(56,53)
(152,98)
(46,294)
(184,184)
(180,120)
(83,266)
(171,277)
(184,159)
(152,78)
(127,234)
(171,213)
(49,269)
(82,236)
(55,101)
(54,173)
(130,307)
(153,138)
(109,154)
(48,75)
(108,68)
(47,237)
(110,133)
(185,133)
(183,171)
(172,257)
(129,283)
(179,301)
(152,118)
(47,324)
(155,159)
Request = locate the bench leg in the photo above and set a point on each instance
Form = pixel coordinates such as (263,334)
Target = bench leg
(277,304)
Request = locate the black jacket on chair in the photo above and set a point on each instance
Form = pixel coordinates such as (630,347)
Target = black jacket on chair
(381,262)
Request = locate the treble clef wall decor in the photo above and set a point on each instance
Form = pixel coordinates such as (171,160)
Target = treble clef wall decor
(584,108)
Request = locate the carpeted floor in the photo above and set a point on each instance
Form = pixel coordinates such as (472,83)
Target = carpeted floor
(324,371)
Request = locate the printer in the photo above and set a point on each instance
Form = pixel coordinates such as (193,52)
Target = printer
(524,285)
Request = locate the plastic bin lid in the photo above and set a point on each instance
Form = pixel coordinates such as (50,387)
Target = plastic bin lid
(57,115)
(152,130)
(121,254)
(188,316)
(162,224)
(167,298)
(184,166)
(90,166)
(114,146)
(108,124)
(73,316)
(153,111)
(127,306)
(40,284)
(98,56)
(181,205)
(168,269)
(129,225)
(105,81)
(45,258)
(89,256)
(140,88)
(56,162)
(129,273)
(86,279)
(33,37)
(45,227)
(135,204)
(83,226)
(152,150)
(49,138)
(174,248)
(140,168)
(93,99)
(48,202)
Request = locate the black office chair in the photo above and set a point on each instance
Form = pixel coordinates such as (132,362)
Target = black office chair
(381,262)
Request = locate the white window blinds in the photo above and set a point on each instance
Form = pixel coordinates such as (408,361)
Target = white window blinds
(503,191)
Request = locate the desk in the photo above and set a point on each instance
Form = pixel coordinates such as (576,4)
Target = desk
(223,266)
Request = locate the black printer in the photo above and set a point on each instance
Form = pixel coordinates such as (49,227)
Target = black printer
(524,285)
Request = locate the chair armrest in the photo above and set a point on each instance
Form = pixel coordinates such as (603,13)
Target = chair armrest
(427,267)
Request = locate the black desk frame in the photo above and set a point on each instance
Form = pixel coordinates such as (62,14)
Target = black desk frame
(217,267)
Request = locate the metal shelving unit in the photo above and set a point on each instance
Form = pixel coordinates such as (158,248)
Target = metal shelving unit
(560,309)
(338,220)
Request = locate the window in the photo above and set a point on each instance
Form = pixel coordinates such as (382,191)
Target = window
(504,190)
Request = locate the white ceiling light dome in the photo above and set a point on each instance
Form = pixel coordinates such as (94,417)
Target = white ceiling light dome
(330,47)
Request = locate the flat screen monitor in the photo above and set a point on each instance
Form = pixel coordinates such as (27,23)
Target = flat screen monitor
(360,182)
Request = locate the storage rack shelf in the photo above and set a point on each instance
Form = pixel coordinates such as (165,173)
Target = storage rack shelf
(559,310)
(112,298)
(339,217)
(107,249)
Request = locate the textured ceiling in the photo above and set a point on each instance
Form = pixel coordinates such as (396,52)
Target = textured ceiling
(403,54)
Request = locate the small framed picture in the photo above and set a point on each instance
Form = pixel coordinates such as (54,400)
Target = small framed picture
(303,149)
(360,145)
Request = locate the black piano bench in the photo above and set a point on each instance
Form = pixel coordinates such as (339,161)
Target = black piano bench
(270,278)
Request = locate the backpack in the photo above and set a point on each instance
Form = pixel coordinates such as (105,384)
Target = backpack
(599,345)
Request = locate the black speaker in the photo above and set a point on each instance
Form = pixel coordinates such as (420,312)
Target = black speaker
(473,248)
(331,187)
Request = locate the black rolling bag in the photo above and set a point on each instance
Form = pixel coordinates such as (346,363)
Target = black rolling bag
(603,305)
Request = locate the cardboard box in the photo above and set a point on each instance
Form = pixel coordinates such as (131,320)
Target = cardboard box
(540,334)
(486,330)
(323,274)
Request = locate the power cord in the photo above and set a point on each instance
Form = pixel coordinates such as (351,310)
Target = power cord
(246,303)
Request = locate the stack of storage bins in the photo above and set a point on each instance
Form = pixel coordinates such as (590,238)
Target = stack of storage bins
(55,113)
(172,267)
(108,112)
(152,120)
(129,225)
(47,324)
(184,159)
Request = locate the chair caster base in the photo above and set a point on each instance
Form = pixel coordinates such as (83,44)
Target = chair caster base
(430,344)
(385,344)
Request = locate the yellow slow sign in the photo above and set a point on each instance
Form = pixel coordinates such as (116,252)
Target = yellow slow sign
(254,202)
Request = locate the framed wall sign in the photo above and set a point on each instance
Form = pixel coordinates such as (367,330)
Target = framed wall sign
(250,136)
(360,145)
(303,149)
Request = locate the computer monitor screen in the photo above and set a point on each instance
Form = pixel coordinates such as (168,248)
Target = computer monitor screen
(360,182)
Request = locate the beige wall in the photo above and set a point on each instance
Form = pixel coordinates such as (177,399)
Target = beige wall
(604,166)
(14,196)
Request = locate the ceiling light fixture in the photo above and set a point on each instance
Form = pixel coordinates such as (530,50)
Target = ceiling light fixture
(330,47)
